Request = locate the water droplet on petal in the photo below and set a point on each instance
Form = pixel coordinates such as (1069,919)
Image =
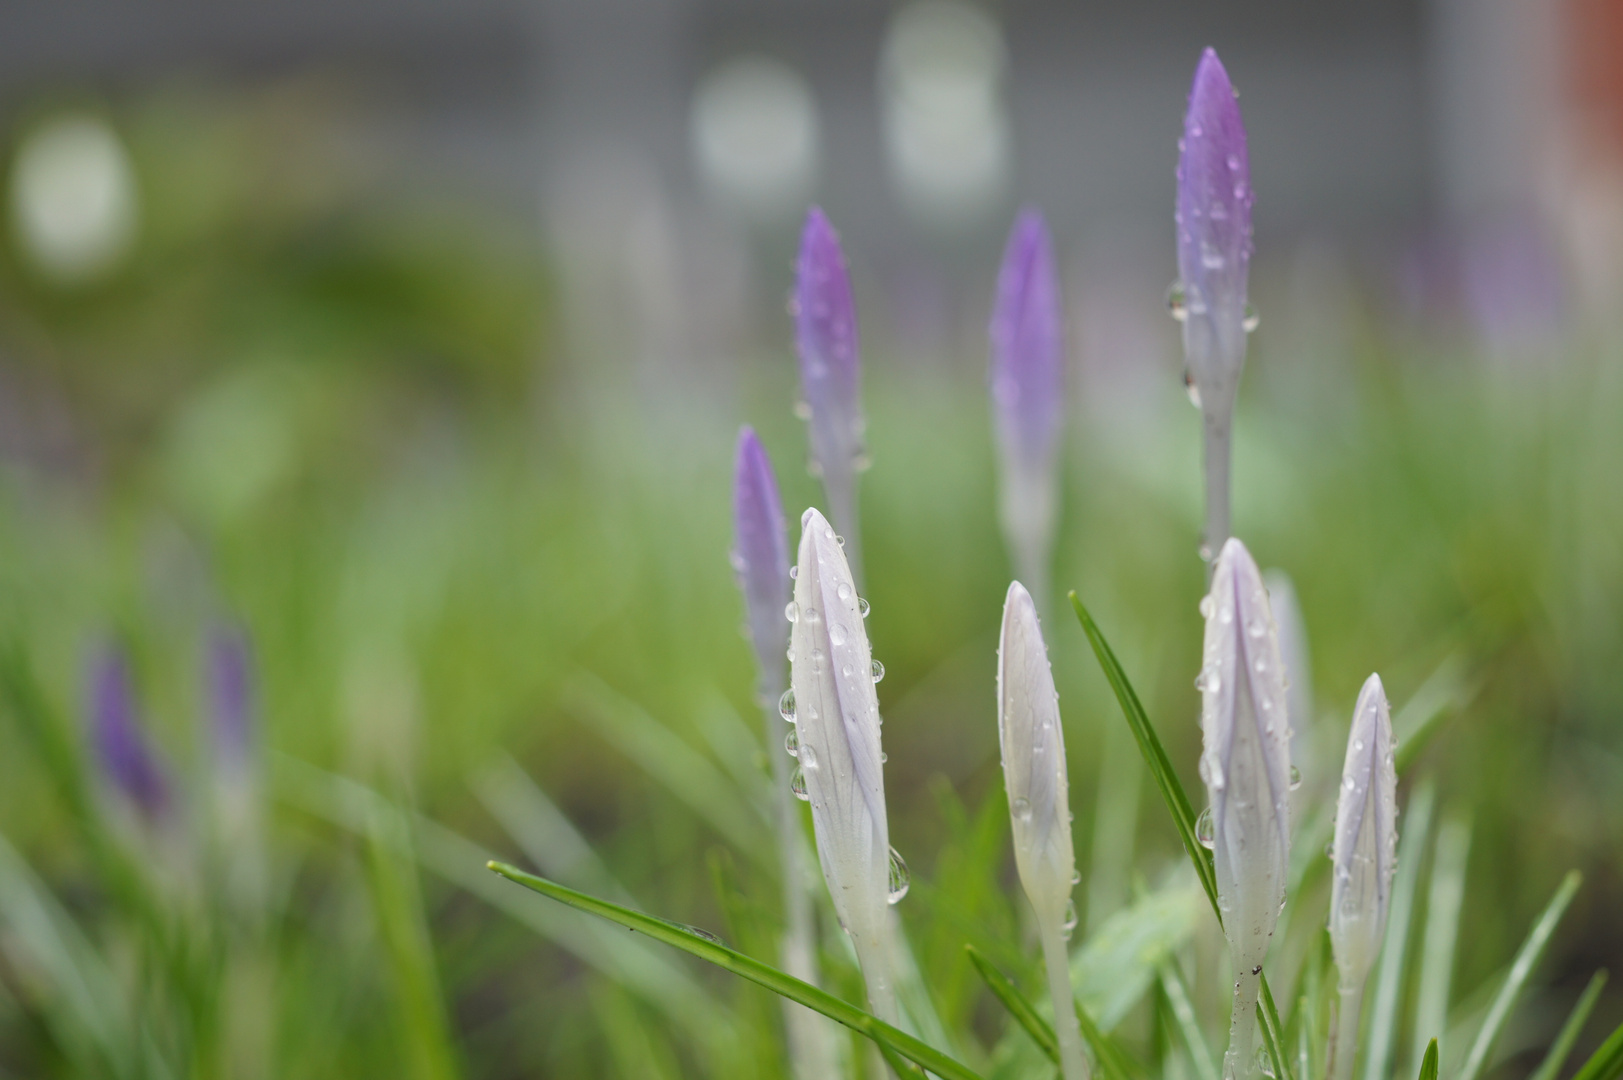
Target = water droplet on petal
(1068,926)
(883,757)
(1251,320)
(1076,877)
(900,879)
(877,670)
(836,633)
(786,705)
(1206,607)
(844,591)
(862,607)
(1177,303)
(797,784)
(791,742)
(1204,830)
(1191,387)
(808,757)
(840,540)
(811,615)
(791,611)
(794,571)
(1296,778)
(1225,614)
(1021,809)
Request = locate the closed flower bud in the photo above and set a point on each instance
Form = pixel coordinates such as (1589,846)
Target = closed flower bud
(1033,747)
(761,557)
(836,716)
(826,339)
(1366,856)
(1245,762)
(1213,221)
(121,746)
(1027,336)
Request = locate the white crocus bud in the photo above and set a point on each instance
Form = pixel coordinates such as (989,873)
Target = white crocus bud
(1033,746)
(1245,763)
(836,715)
(1366,857)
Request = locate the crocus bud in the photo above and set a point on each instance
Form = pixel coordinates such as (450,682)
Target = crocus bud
(826,339)
(761,557)
(1214,255)
(120,745)
(1033,747)
(1365,851)
(1366,838)
(836,716)
(1027,392)
(230,686)
(1245,762)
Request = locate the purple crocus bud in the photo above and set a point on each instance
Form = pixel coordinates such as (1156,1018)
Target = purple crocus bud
(1214,256)
(826,338)
(761,558)
(1028,393)
(230,686)
(120,745)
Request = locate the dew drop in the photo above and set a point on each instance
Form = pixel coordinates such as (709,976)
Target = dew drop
(786,705)
(700,932)
(900,879)
(883,757)
(1206,607)
(836,633)
(877,670)
(1204,831)
(1259,667)
(1068,927)
(1076,877)
(845,671)
(844,591)
(1225,615)
(791,611)
(840,540)
(811,615)
(1265,1061)
(1296,778)
(862,607)
(1210,257)
(1234,161)
(791,742)
(1191,388)
(797,784)
(1021,809)
(794,572)
(808,757)
(1351,783)
(1251,320)
(1177,302)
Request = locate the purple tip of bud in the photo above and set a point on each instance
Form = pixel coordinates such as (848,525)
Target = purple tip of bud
(826,338)
(120,745)
(1028,342)
(761,555)
(231,693)
(1214,201)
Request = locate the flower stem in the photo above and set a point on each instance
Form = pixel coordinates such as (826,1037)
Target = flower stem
(1344,1046)
(1238,1062)
(1073,1064)
(1218,426)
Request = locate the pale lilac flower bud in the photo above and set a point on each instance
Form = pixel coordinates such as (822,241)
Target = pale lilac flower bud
(1033,746)
(1245,762)
(1214,255)
(826,339)
(761,557)
(120,744)
(1365,851)
(836,716)
(1027,333)
(1366,838)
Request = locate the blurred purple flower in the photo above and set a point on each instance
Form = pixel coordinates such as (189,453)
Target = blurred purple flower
(1027,376)
(1214,254)
(826,339)
(231,693)
(761,557)
(120,744)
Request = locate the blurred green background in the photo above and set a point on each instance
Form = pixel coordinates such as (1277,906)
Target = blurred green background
(465,485)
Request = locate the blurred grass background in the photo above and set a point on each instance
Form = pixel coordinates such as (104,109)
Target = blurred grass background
(356,423)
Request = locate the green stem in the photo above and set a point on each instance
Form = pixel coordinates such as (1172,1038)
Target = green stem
(1239,1060)
(1344,1044)
(1073,1064)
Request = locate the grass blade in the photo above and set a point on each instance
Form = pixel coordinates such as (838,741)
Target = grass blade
(1428,1063)
(1383,1009)
(1273,1032)
(1570,1031)
(1177,800)
(1155,755)
(1526,958)
(1183,1011)
(1009,996)
(1443,899)
(762,974)
(1607,1062)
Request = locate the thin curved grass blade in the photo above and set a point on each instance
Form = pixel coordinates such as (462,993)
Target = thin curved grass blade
(1009,996)
(1273,1032)
(1557,1057)
(1428,1064)
(762,974)
(1389,976)
(1183,1011)
(1526,958)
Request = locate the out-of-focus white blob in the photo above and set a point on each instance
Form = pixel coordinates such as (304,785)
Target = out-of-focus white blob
(756,137)
(946,127)
(1298,660)
(73,198)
